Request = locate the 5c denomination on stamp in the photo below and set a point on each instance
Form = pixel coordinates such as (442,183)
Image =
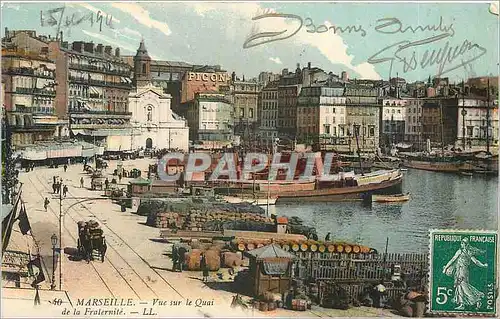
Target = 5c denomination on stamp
(463,268)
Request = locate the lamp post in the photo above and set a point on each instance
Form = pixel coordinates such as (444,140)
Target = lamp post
(53,240)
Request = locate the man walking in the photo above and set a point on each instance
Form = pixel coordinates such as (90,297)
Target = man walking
(81,182)
(46,203)
(65,190)
(65,167)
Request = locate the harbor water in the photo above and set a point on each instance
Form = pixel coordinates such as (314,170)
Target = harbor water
(438,200)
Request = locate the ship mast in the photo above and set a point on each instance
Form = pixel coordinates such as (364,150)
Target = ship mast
(488,119)
(442,128)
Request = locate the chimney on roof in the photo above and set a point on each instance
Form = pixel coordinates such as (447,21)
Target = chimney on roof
(89,47)
(99,49)
(6,32)
(117,52)
(65,44)
(108,50)
(284,72)
(309,65)
(77,46)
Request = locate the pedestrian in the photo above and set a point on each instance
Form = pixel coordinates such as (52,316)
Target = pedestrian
(81,182)
(65,167)
(204,267)
(65,190)
(32,166)
(182,254)
(54,187)
(106,183)
(175,258)
(37,295)
(46,203)
(327,238)
(58,187)
(120,178)
(54,179)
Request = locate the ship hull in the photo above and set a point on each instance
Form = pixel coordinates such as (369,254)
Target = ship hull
(445,167)
(353,193)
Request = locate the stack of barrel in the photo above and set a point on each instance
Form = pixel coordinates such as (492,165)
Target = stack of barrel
(303,246)
(216,254)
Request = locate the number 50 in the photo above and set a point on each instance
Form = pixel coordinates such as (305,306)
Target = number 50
(442,295)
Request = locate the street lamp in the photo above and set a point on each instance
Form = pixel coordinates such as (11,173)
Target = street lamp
(53,240)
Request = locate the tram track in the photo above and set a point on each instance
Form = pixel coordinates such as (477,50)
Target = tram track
(114,242)
(75,240)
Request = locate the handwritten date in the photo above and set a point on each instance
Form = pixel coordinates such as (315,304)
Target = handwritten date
(57,17)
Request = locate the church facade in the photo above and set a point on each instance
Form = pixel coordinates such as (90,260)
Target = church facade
(154,125)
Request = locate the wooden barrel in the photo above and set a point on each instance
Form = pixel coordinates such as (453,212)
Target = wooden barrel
(250,246)
(313,247)
(213,259)
(356,249)
(340,248)
(286,247)
(271,305)
(260,245)
(295,247)
(193,259)
(241,247)
(365,249)
(303,247)
(299,304)
(263,306)
(321,248)
(331,248)
(348,249)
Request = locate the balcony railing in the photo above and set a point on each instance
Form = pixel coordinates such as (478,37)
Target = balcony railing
(34,110)
(29,72)
(100,82)
(35,91)
(77,111)
(93,68)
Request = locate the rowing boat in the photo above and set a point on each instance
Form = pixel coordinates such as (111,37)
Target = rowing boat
(391,198)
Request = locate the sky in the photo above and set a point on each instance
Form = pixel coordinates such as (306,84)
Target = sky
(368,40)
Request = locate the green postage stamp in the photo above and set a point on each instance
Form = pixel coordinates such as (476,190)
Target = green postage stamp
(463,271)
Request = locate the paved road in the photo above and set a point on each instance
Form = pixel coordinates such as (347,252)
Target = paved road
(135,265)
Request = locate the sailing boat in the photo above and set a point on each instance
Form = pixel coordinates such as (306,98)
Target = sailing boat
(483,163)
(437,162)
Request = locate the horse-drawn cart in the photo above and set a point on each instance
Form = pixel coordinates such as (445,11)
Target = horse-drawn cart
(91,241)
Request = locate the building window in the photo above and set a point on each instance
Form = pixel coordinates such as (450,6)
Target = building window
(250,113)
(144,68)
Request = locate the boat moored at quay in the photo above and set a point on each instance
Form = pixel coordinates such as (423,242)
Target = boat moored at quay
(339,187)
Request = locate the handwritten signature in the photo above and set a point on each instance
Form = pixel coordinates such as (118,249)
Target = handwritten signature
(406,53)
(47,18)
(403,52)
(271,36)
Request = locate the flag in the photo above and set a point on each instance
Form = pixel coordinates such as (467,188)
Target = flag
(35,270)
(24,223)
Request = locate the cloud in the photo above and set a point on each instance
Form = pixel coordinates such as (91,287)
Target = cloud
(494,8)
(276,60)
(11,6)
(329,44)
(142,16)
(111,41)
(91,8)
(132,32)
